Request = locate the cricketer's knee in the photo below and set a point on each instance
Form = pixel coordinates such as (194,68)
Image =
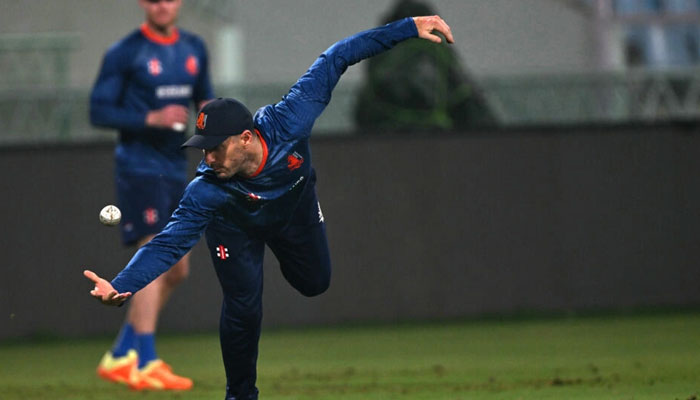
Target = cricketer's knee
(315,284)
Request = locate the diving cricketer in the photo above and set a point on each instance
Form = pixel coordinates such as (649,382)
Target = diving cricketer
(256,186)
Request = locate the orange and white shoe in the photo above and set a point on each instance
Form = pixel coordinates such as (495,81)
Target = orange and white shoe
(157,375)
(118,369)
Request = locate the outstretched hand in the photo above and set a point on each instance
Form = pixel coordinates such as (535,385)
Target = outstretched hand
(104,292)
(426,26)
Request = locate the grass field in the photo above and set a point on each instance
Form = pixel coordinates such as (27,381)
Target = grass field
(604,357)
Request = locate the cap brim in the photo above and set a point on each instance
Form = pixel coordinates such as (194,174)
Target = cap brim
(203,142)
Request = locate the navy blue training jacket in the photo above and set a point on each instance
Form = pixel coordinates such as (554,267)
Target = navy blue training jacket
(267,199)
(144,72)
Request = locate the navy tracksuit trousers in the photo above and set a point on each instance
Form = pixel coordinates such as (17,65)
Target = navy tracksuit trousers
(301,248)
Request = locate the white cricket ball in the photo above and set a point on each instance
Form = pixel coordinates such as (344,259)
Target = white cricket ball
(179,126)
(110,215)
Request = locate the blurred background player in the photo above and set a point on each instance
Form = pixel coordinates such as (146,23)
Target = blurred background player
(144,89)
(419,86)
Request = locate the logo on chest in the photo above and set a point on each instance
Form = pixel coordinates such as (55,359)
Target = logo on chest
(192,65)
(155,67)
(294,161)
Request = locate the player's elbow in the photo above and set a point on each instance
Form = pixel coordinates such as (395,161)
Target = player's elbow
(96,116)
(100,114)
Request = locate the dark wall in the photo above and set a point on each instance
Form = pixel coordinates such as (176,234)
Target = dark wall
(419,226)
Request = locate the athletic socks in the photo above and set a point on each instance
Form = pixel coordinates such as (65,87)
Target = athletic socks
(126,340)
(146,347)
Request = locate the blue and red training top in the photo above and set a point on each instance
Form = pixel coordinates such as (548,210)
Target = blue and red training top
(142,72)
(267,199)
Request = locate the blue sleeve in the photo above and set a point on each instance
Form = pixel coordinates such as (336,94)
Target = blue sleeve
(196,209)
(203,89)
(105,110)
(307,99)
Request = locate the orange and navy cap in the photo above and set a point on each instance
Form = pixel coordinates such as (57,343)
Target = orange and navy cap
(218,120)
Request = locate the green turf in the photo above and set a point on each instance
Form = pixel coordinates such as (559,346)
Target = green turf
(605,357)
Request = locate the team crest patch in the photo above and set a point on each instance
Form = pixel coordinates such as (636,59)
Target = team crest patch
(294,161)
(154,67)
(150,216)
(222,252)
(201,120)
(192,65)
